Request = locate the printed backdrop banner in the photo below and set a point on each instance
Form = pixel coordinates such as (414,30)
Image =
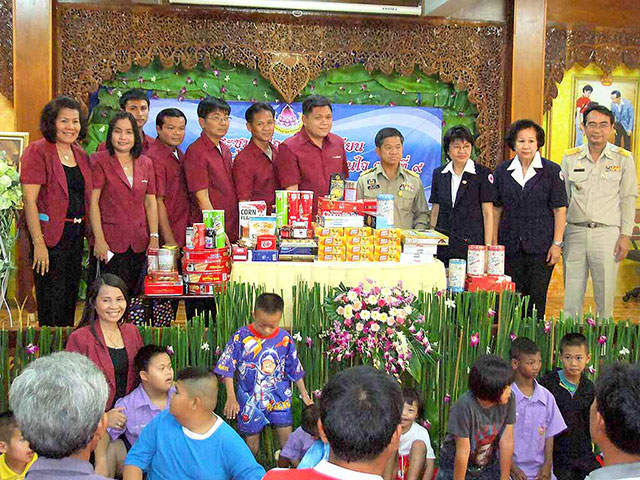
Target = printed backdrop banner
(357,124)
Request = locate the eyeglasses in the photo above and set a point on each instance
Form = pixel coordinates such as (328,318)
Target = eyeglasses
(219,118)
(599,126)
(461,148)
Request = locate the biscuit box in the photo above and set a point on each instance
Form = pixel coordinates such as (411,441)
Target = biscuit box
(264,256)
(212,255)
(330,257)
(211,277)
(205,288)
(202,267)
(163,288)
(266,242)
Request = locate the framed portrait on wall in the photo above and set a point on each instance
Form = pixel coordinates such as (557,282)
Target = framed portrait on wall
(13,144)
(620,95)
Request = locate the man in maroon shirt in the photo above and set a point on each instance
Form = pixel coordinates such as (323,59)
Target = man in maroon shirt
(171,184)
(307,160)
(208,165)
(360,413)
(136,103)
(253,172)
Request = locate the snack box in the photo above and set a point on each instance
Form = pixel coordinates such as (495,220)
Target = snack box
(386,257)
(331,249)
(261,226)
(387,241)
(428,237)
(212,255)
(328,232)
(266,242)
(413,258)
(330,257)
(388,249)
(209,277)
(489,283)
(264,256)
(285,257)
(337,207)
(324,241)
(295,251)
(205,288)
(341,221)
(358,257)
(248,210)
(358,232)
(206,267)
(387,233)
(163,288)
(368,207)
(164,276)
(358,240)
(299,242)
(359,249)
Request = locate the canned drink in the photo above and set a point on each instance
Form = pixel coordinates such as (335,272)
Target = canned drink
(350,191)
(306,207)
(294,207)
(495,261)
(218,229)
(189,238)
(475,259)
(282,208)
(457,274)
(198,236)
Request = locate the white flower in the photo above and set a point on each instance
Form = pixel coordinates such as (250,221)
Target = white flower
(348,312)
(238,97)
(102,129)
(227,78)
(340,310)
(375,327)
(119,93)
(450,303)
(297,337)
(365,314)
(488,350)
(372,300)
(408,309)
(393,311)
(266,95)
(375,315)
(352,296)
(384,317)
(385,292)
(359,326)
(391,321)
(357,305)
(624,351)
(153,78)
(204,85)
(205,346)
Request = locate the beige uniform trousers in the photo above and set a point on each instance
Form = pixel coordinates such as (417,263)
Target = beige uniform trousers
(590,251)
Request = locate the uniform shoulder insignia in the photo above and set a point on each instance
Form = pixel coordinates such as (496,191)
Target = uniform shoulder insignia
(369,170)
(573,150)
(621,151)
(411,172)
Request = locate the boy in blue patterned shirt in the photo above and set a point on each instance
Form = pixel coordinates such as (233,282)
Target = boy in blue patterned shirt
(264,360)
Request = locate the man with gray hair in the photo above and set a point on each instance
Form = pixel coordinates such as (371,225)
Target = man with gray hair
(59,403)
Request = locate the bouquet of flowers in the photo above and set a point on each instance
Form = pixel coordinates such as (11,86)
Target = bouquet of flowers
(10,202)
(380,326)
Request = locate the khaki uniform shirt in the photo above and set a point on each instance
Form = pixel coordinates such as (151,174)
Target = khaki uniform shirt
(410,205)
(604,191)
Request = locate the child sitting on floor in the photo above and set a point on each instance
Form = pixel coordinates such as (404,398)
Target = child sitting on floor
(189,440)
(302,438)
(153,395)
(415,454)
(265,360)
(16,456)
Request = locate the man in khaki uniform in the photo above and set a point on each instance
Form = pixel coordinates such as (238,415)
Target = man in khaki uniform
(410,205)
(602,188)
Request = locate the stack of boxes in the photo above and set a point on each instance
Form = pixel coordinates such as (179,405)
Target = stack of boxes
(387,245)
(358,244)
(421,247)
(206,271)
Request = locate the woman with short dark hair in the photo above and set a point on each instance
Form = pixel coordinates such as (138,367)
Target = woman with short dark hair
(462,195)
(56,189)
(530,213)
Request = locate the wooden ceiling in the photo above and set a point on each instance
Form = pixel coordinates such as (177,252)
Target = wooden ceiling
(603,13)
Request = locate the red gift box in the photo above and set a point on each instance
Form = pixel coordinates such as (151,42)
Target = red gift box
(266,242)
(201,267)
(489,283)
(211,255)
(162,288)
(210,277)
(205,288)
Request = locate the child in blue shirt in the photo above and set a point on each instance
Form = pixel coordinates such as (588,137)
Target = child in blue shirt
(264,360)
(189,440)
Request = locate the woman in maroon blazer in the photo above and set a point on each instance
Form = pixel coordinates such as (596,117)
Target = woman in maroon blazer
(56,188)
(111,344)
(124,215)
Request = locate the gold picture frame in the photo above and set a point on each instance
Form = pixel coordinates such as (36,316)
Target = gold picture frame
(14,144)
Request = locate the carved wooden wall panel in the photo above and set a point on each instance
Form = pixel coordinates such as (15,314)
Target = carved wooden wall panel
(6,48)
(607,48)
(95,43)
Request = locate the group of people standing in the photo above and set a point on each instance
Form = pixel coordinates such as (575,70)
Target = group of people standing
(136,193)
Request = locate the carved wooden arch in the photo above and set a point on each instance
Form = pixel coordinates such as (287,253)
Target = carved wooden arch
(95,43)
(607,48)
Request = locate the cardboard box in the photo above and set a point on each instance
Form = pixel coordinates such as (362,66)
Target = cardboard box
(163,288)
(206,267)
(411,258)
(207,277)
(359,240)
(388,241)
(205,288)
(388,249)
(387,233)
(248,210)
(385,257)
(357,257)
(160,276)
(330,257)
(359,250)
(420,250)
(324,241)
(264,256)
(342,221)
(489,283)
(329,207)
(283,257)
(424,238)
(266,242)
(212,255)
(358,232)
(331,249)
(297,251)
(328,232)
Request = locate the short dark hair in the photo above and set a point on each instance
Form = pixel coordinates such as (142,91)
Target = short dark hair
(193,373)
(136,151)
(617,399)
(587,88)
(458,132)
(360,409)
(212,104)
(134,94)
(410,395)
(593,106)
(258,107)
(269,303)
(488,378)
(523,345)
(169,112)
(50,113)
(145,355)
(7,426)
(616,93)
(573,339)
(519,125)
(387,132)
(309,419)
(313,101)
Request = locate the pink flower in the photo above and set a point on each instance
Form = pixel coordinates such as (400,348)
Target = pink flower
(363,87)
(350,102)
(381,302)
(374,327)
(591,370)
(491,313)
(400,321)
(183,90)
(255,82)
(475,339)
(223,89)
(513,336)
(447,398)
(180,98)
(140,80)
(439,293)
(547,327)
(312,87)
(169,350)
(309,342)
(426,424)
(155,96)
(216,73)
(189,80)
(392,104)
(389,331)
(317,393)
(341,88)
(32,349)
(591,321)
(602,340)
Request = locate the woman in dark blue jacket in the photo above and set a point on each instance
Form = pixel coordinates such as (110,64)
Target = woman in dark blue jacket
(462,195)
(530,213)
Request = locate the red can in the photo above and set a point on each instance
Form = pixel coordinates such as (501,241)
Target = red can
(294,205)
(198,236)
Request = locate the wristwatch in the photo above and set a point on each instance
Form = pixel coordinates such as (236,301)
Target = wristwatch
(154,235)
(558,244)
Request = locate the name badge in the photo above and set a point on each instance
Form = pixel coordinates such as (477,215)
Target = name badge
(144,180)
(373,187)
(578,169)
(612,168)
